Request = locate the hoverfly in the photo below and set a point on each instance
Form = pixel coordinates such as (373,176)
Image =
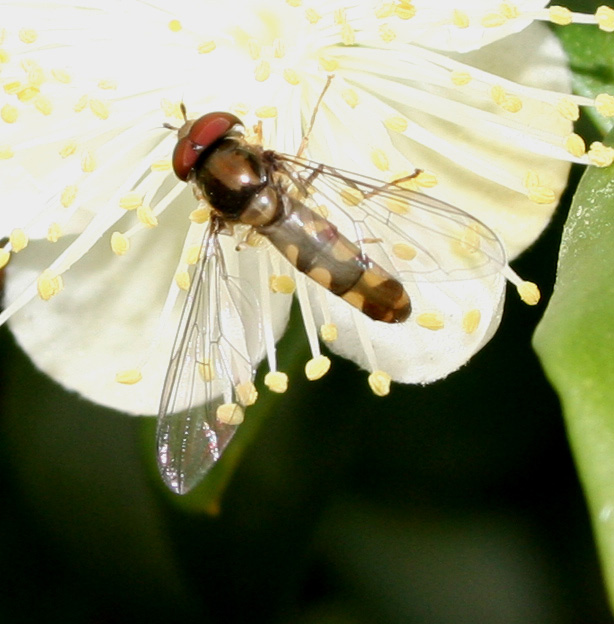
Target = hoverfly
(281,198)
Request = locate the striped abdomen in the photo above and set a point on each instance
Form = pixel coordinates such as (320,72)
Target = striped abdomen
(315,247)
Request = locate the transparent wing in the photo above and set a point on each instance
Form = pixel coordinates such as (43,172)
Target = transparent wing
(210,375)
(414,236)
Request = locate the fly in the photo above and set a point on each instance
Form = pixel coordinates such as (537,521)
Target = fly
(283,199)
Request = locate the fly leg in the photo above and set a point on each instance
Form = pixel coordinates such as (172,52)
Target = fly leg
(312,121)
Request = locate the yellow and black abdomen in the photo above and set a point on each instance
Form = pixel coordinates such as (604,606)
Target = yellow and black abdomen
(315,247)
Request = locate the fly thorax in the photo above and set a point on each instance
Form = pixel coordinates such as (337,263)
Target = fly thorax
(231,176)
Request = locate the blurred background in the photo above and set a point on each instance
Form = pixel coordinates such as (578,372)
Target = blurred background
(451,503)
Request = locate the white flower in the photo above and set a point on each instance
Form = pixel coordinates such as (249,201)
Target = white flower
(460,93)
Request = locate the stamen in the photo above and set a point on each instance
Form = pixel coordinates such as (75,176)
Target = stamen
(206,47)
(120,244)
(49,284)
(600,155)
(276,381)
(317,367)
(471,321)
(229,414)
(282,284)
(247,393)
(129,377)
(54,233)
(431,320)
(379,382)
(18,240)
(528,291)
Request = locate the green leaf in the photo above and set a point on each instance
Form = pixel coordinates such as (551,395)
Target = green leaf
(591,59)
(575,342)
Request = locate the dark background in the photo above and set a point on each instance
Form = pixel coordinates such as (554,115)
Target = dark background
(451,503)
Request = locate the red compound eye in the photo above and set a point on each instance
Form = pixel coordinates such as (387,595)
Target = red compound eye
(202,133)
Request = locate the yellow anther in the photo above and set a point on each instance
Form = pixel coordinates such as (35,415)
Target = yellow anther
(107,85)
(182,279)
(282,284)
(386,33)
(511,104)
(460,19)
(396,123)
(541,195)
(229,414)
(317,367)
(426,180)
(498,94)
(5,256)
(88,162)
(313,17)
(175,25)
(351,196)
(254,49)
(460,78)
(529,292)
(575,145)
(398,207)
(247,393)
(403,251)
(291,77)
(120,243)
(510,10)
(49,284)
(404,11)
(54,232)
(380,160)
(350,97)
(81,103)
(253,239)
(600,155)
(379,382)
(471,321)
(19,240)
(294,3)
(279,48)
(605,18)
(276,381)
(205,47)
(146,216)
(61,75)
(68,149)
(43,105)
(6,152)
(348,36)
(266,112)
(329,332)
(68,195)
(9,113)
(129,377)
(560,15)
(384,10)
(192,254)
(604,104)
(12,87)
(100,108)
(27,94)
(328,64)
(263,71)
(131,201)
(163,164)
(206,370)
(340,16)
(5,57)
(28,35)
(431,320)
(36,75)
(493,20)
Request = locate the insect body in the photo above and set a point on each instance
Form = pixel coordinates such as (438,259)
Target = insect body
(384,244)
(243,184)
